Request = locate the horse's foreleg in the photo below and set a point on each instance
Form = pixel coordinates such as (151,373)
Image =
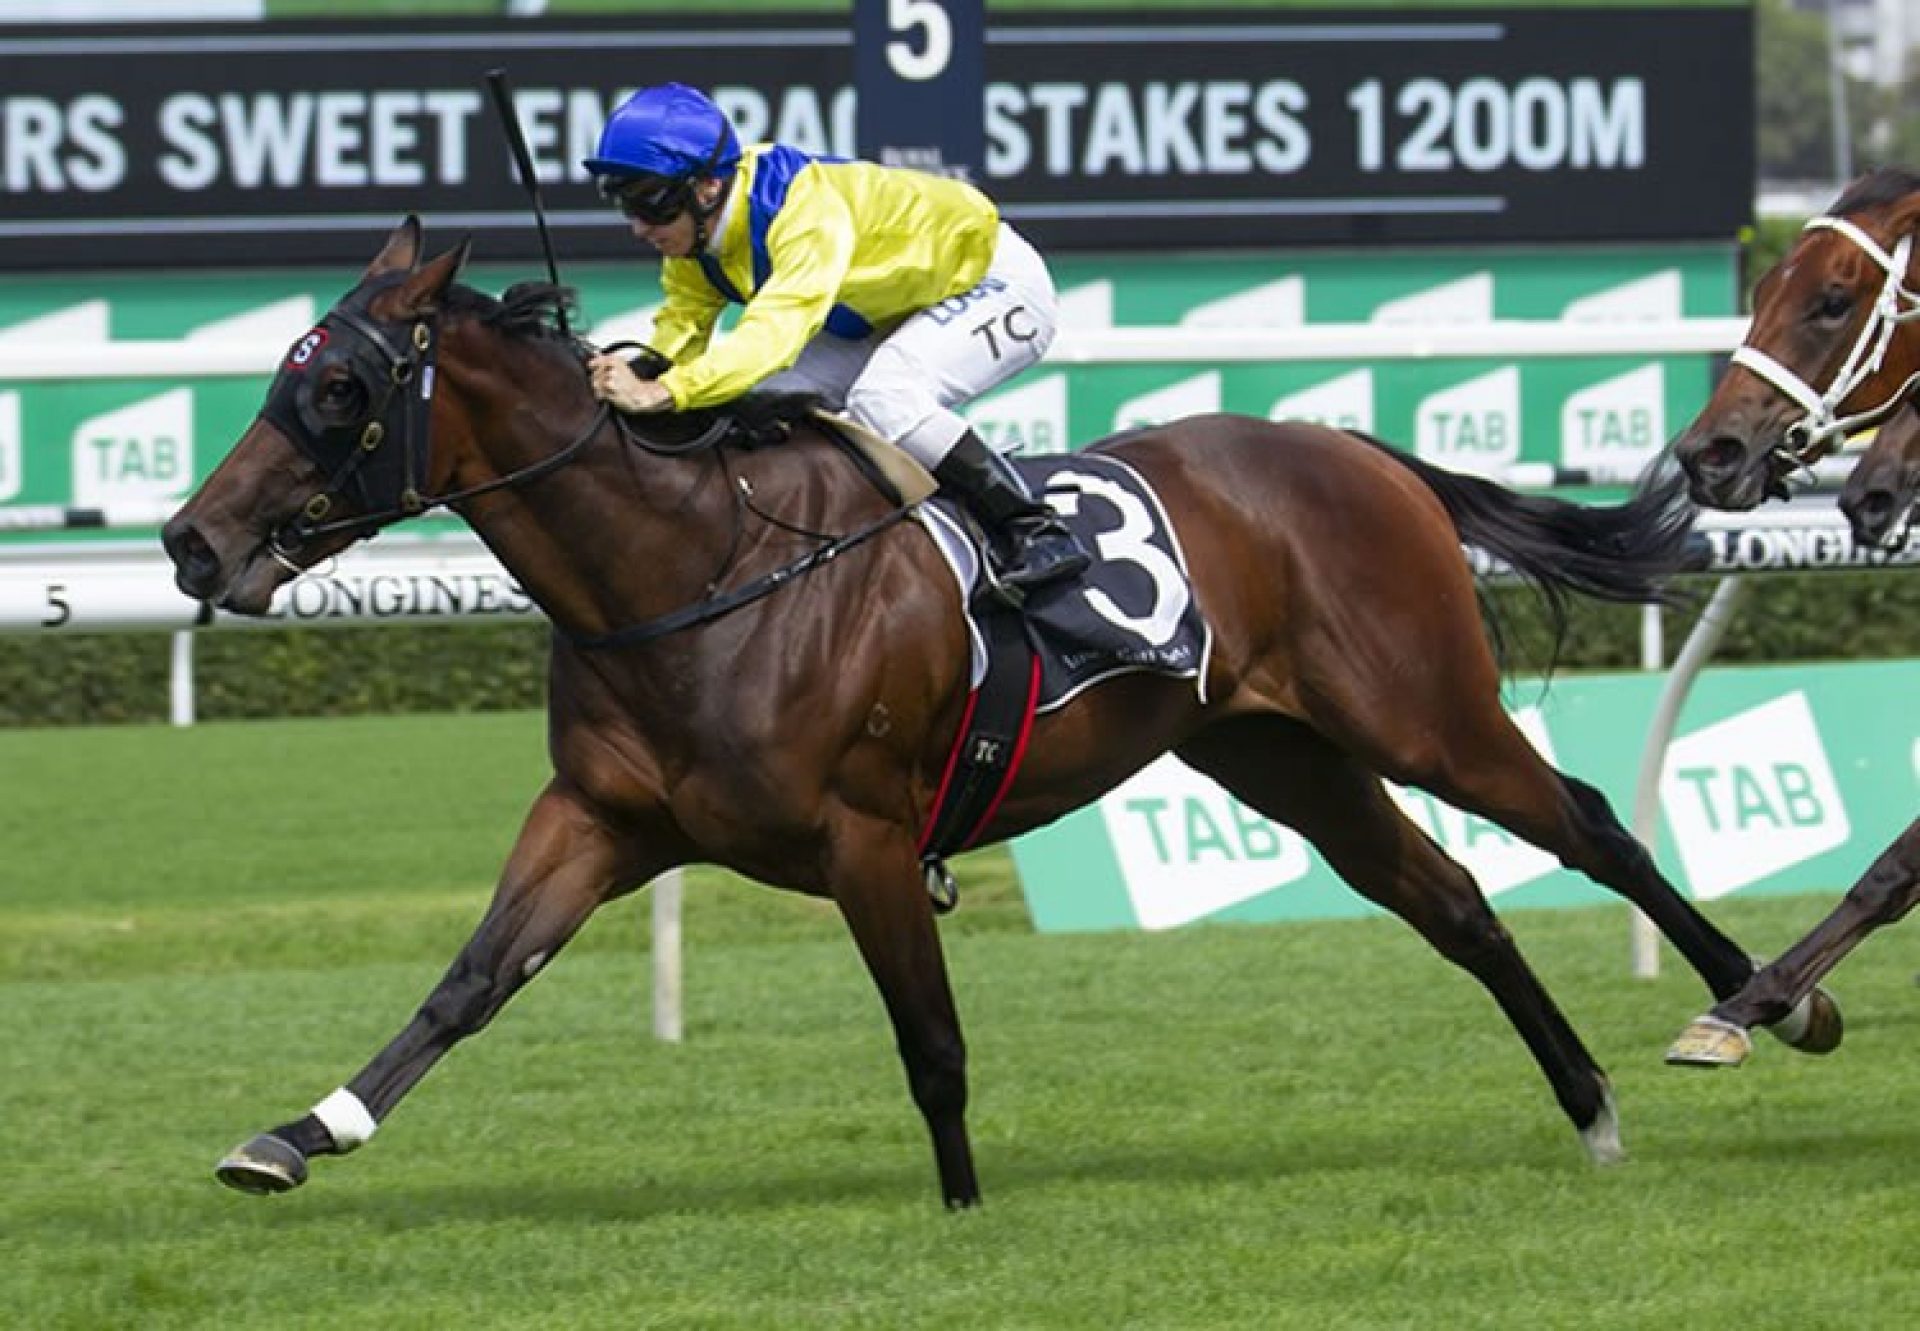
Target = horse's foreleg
(565,863)
(877,886)
(1885,893)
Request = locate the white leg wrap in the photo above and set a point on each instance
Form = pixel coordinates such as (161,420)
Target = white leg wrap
(345,1119)
(1794,1025)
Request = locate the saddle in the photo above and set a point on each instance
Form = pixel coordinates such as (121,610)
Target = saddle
(1134,610)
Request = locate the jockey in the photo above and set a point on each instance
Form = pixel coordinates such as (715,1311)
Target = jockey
(895,295)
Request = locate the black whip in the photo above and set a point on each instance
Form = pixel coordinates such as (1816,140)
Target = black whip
(523,162)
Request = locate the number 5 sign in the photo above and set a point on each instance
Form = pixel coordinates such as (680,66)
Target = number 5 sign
(919,74)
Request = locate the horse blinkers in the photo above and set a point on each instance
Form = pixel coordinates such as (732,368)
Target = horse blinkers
(340,397)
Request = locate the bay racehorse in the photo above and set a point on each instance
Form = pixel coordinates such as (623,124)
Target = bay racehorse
(1832,350)
(1879,494)
(799,737)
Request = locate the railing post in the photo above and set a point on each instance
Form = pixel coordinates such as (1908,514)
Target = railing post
(1694,655)
(180,679)
(667,890)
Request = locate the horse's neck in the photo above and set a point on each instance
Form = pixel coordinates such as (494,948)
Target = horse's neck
(619,535)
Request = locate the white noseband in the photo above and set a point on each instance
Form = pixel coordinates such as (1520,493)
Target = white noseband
(1895,306)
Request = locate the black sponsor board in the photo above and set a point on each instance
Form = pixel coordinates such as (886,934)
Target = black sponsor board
(302,143)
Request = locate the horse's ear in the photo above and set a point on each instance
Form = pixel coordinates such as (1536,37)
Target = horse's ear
(401,252)
(422,293)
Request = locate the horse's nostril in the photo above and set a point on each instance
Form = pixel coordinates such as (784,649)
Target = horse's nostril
(1871,514)
(1722,452)
(196,566)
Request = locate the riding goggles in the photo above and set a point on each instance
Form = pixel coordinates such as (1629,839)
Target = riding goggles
(654,200)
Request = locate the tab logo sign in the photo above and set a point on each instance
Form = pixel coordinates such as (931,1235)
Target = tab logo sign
(1473,427)
(1619,424)
(1187,849)
(1281,303)
(142,451)
(1345,403)
(10,478)
(1465,300)
(1189,397)
(1030,420)
(1750,796)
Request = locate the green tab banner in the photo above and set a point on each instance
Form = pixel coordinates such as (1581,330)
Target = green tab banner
(1779,779)
(108,442)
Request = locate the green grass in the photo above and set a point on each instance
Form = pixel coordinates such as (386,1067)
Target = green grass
(1318,1126)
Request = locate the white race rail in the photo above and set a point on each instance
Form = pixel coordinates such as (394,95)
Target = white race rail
(1102,346)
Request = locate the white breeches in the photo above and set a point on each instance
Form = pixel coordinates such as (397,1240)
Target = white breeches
(906,383)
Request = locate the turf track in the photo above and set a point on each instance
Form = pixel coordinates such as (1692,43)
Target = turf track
(1315,1126)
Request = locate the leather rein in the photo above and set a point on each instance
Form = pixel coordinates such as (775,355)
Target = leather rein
(347,455)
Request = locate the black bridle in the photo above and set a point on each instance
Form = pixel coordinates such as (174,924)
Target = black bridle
(354,453)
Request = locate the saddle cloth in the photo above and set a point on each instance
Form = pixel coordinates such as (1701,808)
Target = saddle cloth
(1134,610)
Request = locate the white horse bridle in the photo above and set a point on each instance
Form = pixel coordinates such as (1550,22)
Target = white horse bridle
(1895,306)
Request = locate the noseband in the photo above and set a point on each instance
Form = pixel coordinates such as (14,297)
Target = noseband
(1813,433)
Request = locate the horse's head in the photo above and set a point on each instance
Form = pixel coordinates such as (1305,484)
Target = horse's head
(1829,351)
(341,446)
(1880,490)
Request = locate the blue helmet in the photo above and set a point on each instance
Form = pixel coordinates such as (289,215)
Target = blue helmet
(671,131)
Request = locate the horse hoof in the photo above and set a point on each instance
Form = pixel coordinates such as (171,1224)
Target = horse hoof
(262,1166)
(1709,1042)
(1813,1027)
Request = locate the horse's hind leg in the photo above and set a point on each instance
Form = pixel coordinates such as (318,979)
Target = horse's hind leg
(877,885)
(1486,766)
(1297,777)
(563,866)
(1885,893)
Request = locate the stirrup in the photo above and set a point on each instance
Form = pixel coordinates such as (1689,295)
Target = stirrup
(940,884)
(1029,568)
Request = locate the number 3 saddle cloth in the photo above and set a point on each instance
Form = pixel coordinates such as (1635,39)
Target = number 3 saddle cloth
(1133,610)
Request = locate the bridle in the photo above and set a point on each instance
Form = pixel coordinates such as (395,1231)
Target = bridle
(1813,434)
(351,454)
(356,453)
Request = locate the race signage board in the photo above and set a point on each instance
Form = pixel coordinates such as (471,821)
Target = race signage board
(1778,780)
(295,142)
(920,67)
(108,442)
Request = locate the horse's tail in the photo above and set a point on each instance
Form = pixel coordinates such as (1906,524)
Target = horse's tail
(1628,552)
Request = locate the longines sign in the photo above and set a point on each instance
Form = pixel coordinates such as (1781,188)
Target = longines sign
(302,142)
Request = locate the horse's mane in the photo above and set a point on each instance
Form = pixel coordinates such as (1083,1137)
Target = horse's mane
(528,310)
(1889,184)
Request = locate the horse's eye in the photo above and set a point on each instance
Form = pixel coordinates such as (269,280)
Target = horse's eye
(1835,303)
(340,395)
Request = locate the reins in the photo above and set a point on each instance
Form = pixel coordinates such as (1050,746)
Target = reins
(417,363)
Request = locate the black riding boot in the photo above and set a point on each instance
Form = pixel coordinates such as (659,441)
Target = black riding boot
(1030,545)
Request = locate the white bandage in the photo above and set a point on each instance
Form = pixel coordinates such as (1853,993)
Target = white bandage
(1792,1028)
(345,1119)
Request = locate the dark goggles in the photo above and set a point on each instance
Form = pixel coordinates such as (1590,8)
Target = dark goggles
(654,200)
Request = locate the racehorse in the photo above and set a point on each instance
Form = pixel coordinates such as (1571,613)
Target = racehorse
(1880,489)
(798,737)
(1827,353)
(1830,352)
